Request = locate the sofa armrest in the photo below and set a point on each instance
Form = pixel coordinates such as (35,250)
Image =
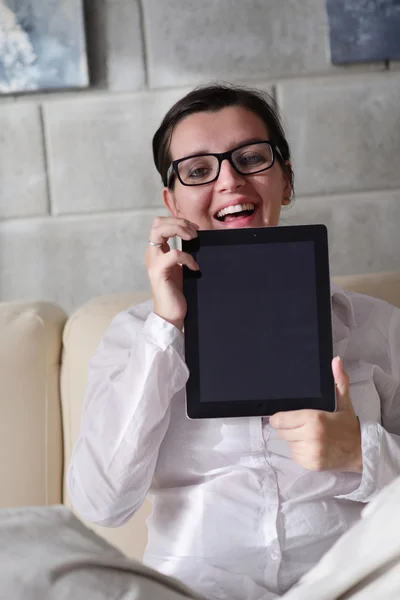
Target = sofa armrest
(30,416)
(385,285)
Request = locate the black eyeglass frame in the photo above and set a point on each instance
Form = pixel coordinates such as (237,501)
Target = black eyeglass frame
(173,168)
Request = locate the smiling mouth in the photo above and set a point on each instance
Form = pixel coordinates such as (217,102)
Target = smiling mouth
(230,213)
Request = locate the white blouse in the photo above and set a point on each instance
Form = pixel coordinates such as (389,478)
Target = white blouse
(233,516)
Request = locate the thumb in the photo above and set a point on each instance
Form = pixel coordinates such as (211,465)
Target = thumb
(342,385)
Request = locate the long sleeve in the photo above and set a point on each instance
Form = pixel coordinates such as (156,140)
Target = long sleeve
(133,376)
(381,441)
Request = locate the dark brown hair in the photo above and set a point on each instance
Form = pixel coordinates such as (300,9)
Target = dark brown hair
(212,98)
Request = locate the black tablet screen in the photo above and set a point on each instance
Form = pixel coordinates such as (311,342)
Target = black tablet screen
(257,322)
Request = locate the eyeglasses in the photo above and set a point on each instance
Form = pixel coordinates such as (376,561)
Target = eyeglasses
(247,159)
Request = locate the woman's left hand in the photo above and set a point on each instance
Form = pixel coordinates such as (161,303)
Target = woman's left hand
(320,440)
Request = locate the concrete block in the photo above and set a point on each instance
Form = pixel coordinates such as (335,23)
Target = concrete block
(344,133)
(362,229)
(69,260)
(23,187)
(114,42)
(189,42)
(99,151)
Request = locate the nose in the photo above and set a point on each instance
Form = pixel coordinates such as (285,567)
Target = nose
(228,179)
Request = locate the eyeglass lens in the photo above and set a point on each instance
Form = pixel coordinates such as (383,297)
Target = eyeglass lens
(249,159)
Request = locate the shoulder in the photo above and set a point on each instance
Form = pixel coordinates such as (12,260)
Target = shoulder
(137,313)
(139,324)
(371,327)
(128,322)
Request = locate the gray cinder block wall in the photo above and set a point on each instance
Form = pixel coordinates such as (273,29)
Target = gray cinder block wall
(78,190)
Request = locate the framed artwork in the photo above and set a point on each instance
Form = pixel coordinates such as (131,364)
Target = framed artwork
(42,45)
(364,30)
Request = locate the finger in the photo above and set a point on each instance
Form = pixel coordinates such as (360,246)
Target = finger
(302,456)
(298,434)
(185,222)
(177,257)
(342,384)
(180,224)
(290,419)
(162,233)
(175,221)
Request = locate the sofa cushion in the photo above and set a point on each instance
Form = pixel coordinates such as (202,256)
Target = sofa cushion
(385,286)
(30,423)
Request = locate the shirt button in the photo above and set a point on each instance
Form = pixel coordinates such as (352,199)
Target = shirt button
(275,555)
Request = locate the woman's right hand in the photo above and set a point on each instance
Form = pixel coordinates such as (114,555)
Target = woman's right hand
(165,270)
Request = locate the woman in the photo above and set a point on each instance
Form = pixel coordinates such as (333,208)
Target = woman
(241,507)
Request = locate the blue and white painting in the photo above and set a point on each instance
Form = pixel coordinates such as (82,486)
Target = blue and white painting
(42,45)
(364,30)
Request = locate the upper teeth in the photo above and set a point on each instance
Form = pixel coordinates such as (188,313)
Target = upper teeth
(230,210)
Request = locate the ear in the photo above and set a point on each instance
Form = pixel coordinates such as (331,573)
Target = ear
(170,202)
(287,187)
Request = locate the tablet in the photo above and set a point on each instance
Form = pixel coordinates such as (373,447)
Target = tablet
(258,333)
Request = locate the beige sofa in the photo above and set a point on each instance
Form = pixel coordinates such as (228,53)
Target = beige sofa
(43,372)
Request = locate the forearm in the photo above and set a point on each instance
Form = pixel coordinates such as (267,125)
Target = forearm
(110,495)
(381,461)
(126,415)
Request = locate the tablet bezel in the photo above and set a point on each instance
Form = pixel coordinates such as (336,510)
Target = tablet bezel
(197,409)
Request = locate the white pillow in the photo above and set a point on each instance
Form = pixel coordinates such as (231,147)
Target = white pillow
(46,552)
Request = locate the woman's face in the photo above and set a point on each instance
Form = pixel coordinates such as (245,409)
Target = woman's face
(221,131)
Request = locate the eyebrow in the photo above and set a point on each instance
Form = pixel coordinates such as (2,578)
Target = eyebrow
(242,143)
